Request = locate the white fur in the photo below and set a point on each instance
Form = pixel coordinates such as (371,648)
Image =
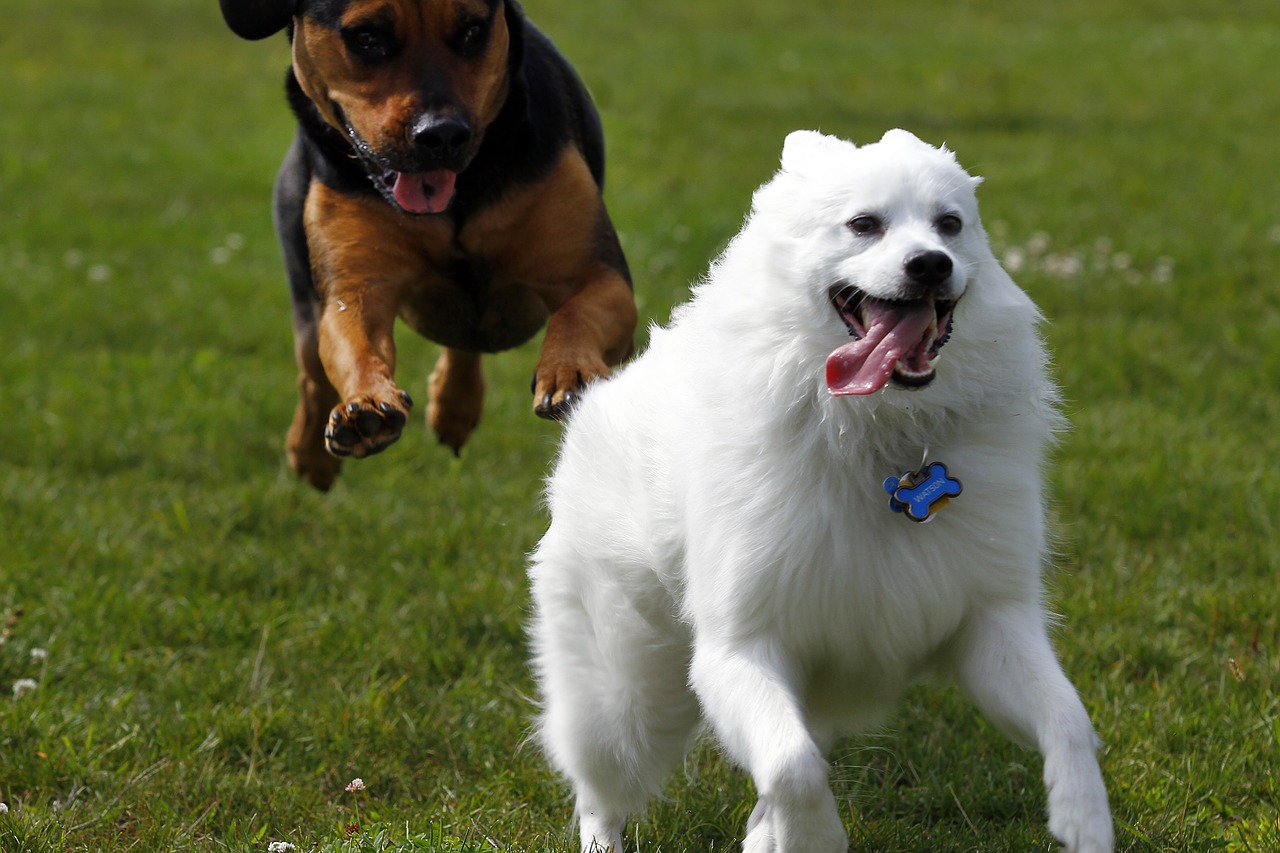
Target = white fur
(721,547)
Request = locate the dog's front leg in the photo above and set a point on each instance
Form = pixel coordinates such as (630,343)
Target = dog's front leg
(752,701)
(588,334)
(1008,668)
(358,352)
(359,275)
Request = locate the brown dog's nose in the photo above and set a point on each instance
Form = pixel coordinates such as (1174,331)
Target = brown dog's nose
(929,268)
(441,136)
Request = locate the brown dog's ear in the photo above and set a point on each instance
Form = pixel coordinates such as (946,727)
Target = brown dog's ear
(257,19)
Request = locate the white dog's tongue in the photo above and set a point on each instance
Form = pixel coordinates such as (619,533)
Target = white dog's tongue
(866,365)
(428,192)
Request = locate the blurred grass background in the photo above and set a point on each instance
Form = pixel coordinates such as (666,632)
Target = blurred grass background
(203,652)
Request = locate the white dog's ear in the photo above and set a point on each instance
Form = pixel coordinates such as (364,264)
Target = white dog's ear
(906,140)
(898,136)
(803,149)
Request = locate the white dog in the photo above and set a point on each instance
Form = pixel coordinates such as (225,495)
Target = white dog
(722,546)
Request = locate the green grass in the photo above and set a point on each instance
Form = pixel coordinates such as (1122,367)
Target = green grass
(226,649)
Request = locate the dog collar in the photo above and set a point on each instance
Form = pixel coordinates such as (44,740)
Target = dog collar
(919,495)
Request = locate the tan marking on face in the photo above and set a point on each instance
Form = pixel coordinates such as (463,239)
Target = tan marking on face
(382,101)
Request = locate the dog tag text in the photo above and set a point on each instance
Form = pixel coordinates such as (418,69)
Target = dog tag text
(919,495)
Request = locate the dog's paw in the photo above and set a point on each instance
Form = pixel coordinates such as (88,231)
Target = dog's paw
(1079,817)
(452,426)
(812,827)
(557,388)
(305,447)
(315,466)
(1086,834)
(365,426)
(600,833)
(1086,839)
(457,398)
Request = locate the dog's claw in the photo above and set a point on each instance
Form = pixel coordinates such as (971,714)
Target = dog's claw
(457,451)
(545,409)
(556,411)
(394,417)
(551,409)
(340,439)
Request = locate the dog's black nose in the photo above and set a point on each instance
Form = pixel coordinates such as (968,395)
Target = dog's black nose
(441,136)
(929,268)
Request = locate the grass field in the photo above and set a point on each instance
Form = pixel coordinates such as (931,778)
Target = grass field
(203,652)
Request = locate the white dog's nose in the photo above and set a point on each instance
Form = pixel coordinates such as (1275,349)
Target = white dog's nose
(929,269)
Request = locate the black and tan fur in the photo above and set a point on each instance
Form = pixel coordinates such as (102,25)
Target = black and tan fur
(396,89)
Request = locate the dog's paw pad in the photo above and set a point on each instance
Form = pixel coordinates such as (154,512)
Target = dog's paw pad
(363,428)
(921,494)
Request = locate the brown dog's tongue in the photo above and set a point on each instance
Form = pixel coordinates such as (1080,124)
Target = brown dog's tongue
(427,192)
(865,366)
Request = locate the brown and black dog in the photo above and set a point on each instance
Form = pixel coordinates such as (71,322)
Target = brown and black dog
(447,170)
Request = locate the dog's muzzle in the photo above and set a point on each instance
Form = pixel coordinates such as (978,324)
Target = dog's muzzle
(421,178)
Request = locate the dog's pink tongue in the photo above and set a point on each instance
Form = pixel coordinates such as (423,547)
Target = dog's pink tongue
(428,192)
(865,366)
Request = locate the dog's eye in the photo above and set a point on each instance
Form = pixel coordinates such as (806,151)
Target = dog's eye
(865,225)
(949,225)
(472,38)
(369,43)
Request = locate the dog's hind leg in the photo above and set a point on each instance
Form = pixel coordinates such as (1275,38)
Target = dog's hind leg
(617,713)
(304,443)
(457,397)
(1008,668)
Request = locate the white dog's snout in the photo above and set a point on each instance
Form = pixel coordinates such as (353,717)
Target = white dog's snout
(929,269)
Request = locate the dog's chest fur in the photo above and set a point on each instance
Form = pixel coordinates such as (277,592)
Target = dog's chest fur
(829,570)
(782,528)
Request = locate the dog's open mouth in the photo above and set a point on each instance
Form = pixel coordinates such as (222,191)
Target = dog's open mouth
(421,192)
(427,191)
(896,341)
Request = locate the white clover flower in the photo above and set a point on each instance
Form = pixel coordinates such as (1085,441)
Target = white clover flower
(23,686)
(1163,271)
(39,655)
(280,847)
(4,808)
(1063,266)
(356,784)
(1014,260)
(1038,244)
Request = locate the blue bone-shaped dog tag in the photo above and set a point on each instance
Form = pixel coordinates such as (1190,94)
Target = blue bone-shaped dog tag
(920,494)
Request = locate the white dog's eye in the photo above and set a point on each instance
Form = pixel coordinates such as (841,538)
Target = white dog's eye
(864,225)
(949,225)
